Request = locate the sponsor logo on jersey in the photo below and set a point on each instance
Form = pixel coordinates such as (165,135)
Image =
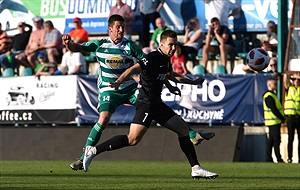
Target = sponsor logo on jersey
(114,61)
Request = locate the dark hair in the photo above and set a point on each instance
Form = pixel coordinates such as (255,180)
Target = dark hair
(49,24)
(271,24)
(113,18)
(168,34)
(215,19)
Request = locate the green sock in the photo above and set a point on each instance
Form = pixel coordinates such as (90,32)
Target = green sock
(93,137)
(192,133)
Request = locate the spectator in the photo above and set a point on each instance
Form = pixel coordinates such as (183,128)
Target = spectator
(292,111)
(239,69)
(193,37)
(272,67)
(178,62)
(124,10)
(17,47)
(44,68)
(270,43)
(22,40)
(72,64)
(273,115)
(155,39)
(4,41)
(221,9)
(149,12)
(78,33)
(223,36)
(52,42)
(35,42)
(4,44)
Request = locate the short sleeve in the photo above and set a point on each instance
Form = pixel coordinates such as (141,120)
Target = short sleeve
(144,62)
(137,51)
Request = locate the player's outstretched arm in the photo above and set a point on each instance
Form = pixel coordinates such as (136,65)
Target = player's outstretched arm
(135,69)
(173,89)
(175,77)
(66,39)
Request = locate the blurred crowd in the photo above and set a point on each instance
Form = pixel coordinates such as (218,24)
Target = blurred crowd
(42,44)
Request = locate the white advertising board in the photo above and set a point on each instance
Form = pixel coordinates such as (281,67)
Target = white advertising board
(32,99)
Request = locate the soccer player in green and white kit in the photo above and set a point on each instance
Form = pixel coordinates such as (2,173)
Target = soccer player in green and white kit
(115,54)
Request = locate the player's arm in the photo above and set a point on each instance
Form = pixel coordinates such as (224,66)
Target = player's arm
(135,69)
(70,44)
(175,77)
(173,89)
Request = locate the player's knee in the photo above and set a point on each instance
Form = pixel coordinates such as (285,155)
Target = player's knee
(133,141)
(103,121)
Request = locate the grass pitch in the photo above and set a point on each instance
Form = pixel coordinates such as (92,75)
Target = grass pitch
(42,175)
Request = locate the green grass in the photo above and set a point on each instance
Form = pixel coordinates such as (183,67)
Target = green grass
(41,175)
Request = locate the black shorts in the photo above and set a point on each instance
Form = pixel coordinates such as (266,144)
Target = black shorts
(157,111)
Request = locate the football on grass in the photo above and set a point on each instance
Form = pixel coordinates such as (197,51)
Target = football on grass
(258,59)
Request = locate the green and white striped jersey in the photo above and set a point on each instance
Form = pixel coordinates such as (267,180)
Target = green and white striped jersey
(113,59)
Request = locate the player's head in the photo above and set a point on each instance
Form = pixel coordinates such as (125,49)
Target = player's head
(272,84)
(116,27)
(168,42)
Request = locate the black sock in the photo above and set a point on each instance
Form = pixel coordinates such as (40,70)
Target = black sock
(188,148)
(114,143)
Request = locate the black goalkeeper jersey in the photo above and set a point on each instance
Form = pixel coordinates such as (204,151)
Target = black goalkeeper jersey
(154,69)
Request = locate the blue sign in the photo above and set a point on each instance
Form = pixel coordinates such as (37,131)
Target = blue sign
(253,17)
(220,99)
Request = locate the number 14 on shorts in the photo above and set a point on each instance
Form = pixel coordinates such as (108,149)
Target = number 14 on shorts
(105,98)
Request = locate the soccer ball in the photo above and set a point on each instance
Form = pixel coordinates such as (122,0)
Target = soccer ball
(258,59)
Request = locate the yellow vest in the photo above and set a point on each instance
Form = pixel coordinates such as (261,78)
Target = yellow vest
(270,118)
(292,101)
